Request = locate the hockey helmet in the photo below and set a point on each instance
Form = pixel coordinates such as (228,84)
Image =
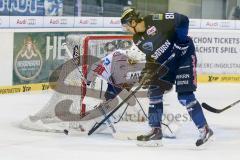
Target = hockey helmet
(129,15)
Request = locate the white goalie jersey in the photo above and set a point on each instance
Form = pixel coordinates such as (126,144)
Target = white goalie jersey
(117,68)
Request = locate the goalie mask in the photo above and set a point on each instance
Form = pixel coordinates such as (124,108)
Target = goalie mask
(135,55)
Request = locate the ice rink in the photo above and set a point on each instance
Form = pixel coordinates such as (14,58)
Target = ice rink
(20,144)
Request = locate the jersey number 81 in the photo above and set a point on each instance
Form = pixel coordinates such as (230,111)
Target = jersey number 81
(169,15)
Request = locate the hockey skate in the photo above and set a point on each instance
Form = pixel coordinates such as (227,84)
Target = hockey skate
(205,134)
(152,139)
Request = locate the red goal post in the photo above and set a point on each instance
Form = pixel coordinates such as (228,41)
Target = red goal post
(87,43)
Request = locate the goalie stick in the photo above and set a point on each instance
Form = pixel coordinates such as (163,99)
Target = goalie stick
(95,127)
(215,110)
(74,59)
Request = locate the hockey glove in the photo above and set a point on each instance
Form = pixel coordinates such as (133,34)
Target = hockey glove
(146,78)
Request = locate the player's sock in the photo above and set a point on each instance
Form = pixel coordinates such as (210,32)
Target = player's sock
(196,113)
(155,113)
(193,107)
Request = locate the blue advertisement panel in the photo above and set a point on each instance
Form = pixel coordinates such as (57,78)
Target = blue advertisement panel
(4,10)
(53,7)
(32,7)
(26,7)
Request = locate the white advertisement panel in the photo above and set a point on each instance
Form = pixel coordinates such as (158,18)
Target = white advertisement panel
(194,23)
(112,22)
(217,24)
(237,24)
(57,21)
(88,22)
(6,58)
(218,52)
(4,21)
(26,21)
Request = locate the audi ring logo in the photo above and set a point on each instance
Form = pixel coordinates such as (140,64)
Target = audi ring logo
(63,21)
(31,21)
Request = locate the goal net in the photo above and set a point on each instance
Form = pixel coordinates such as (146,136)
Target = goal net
(70,98)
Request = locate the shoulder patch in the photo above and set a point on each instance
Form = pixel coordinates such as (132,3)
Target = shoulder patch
(157,17)
(116,53)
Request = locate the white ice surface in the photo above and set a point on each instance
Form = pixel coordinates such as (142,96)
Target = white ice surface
(19,144)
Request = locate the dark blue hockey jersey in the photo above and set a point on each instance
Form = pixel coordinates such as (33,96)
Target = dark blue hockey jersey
(162,31)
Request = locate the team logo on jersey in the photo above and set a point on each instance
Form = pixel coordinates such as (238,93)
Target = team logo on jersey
(100,69)
(161,50)
(28,62)
(106,61)
(148,46)
(152,31)
(133,75)
(116,53)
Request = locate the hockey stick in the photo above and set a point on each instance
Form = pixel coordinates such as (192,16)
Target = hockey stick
(115,109)
(215,110)
(94,128)
(74,58)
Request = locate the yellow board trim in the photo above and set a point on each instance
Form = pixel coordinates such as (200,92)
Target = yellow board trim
(218,78)
(205,78)
(24,88)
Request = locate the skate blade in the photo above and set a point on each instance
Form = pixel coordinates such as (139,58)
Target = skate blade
(125,136)
(207,143)
(152,143)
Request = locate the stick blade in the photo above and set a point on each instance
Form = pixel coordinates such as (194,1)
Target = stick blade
(209,108)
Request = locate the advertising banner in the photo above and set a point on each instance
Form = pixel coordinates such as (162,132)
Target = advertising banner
(26,21)
(217,24)
(50,21)
(31,7)
(53,7)
(237,24)
(112,22)
(194,23)
(24,7)
(4,21)
(36,55)
(218,52)
(88,22)
(4,7)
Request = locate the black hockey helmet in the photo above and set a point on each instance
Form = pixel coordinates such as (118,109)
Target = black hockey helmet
(129,15)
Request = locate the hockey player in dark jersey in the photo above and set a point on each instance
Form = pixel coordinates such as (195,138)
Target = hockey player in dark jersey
(159,36)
